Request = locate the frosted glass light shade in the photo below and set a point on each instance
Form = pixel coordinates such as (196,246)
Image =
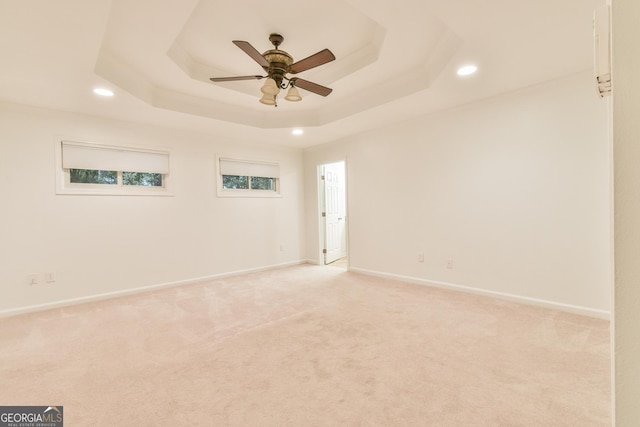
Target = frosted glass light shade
(270,87)
(268,99)
(293,94)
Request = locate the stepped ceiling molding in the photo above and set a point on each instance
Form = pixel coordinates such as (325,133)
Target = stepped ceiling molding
(394,61)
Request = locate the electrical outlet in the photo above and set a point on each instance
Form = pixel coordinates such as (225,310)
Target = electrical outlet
(50,277)
(449,263)
(32,279)
(420,256)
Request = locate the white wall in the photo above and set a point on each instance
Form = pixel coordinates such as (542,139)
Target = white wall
(107,244)
(515,190)
(626,137)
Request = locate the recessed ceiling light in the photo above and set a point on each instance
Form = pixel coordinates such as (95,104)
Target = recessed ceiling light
(297,131)
(102,92)
(467,70)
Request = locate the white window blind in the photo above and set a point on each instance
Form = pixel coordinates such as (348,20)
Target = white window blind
(246,168)
(100,157)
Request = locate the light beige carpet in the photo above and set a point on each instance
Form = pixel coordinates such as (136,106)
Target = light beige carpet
(308,346)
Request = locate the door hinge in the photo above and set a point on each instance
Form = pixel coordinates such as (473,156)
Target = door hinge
(322,177)
(324,214)
(324,251)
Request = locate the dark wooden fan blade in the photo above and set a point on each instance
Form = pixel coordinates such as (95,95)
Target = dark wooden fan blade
(311,87)
(312,61)
(252,52)
(233,79)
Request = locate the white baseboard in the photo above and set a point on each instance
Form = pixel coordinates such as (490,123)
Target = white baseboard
(585,311)
(116,294)
(601,314)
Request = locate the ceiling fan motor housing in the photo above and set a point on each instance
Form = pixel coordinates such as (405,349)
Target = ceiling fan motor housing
(279,63)
(279,60)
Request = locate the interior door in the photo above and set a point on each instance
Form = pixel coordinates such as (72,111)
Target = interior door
(334,213)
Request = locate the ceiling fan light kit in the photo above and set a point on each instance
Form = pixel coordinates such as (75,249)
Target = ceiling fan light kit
(277,64)
(270,87)
(293,94)
(268,99)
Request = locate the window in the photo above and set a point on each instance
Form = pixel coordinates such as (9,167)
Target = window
(248,178)
(102,169)
(142,178)
(89,176)
(248,182)
(262,183)
(235,182)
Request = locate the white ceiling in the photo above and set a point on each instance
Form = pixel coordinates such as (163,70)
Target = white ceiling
(394,60)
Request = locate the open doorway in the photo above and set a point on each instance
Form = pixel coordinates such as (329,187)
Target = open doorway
(333,214)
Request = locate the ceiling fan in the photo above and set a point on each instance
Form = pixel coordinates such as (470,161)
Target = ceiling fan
(277,64)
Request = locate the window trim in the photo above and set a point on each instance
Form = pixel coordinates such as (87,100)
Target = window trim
(64,186)
(246,192)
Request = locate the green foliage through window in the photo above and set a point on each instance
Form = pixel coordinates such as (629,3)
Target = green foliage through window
(245,182)
(142,178)
(88,176)
(235,182)
(261,183)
